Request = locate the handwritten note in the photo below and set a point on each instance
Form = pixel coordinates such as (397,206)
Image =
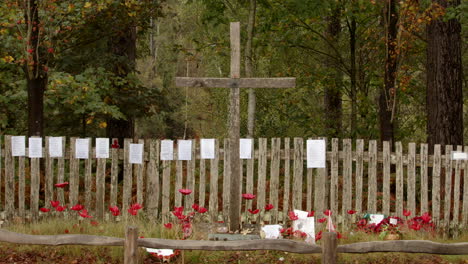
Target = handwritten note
(167,150)
(136,154)
(82,148)
(35,147)
(207,148)
(184,149)
(18,146)
(245,148)
(102,148)
(459,156)
(55,147)
(316,153)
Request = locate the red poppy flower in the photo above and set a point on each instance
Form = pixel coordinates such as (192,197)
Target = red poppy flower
(61,185)
(168,225)
(94,223)
(339,235)
(268,207)
(45,210)
(185,191)
(253,211)
(293,216)
(60,208)
(415,226)
(318,236)
(248,196)
(426,217)
(327,212)
(311,214)
(321,220)
(406,212)
(141,237)
(132,211)
(202,210)
(115,144)
(136,206)
(195,207)
(84,213)
(351,212)
(66,231)
(50,50)
(77,207)
(54,203)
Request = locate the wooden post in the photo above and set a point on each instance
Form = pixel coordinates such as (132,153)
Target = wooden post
(131,245)
(330,244)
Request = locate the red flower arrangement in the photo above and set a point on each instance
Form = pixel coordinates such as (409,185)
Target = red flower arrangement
(248,196)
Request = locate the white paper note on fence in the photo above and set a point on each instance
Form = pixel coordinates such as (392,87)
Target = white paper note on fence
(102,148)
(55,147)
(307,226)
(136,154)
(35,147)
(18,147)
(82,148)
(245,148)
(207,148)
(184,149)
(459,156)
(167,150)
(272,231)
(316,153)
(376,218)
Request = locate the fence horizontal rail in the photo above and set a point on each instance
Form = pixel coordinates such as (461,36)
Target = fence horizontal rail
(406,246)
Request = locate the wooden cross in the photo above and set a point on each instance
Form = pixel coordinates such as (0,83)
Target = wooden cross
(235,83)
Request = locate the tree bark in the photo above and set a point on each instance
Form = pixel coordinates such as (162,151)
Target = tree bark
(444,98)
(353,72)
(332,92)
(249,68)
(387,98)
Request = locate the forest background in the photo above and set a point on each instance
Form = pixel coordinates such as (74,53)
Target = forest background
(371,69)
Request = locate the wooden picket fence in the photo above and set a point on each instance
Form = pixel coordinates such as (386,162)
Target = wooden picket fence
(360,178)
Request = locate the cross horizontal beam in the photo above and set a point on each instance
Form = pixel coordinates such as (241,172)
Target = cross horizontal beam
(236,82)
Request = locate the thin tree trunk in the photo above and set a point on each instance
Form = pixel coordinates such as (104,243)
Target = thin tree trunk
(444,99)
(249,68)
(387,98)
(353,72)
(333,93)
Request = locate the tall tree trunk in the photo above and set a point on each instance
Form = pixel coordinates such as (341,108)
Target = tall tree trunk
(123,45)
(333,93)
(387,98)
(36,77)
(444,99)
(353,75)
(249,68)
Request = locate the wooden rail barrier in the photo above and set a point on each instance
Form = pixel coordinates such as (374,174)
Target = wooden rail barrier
(329,250)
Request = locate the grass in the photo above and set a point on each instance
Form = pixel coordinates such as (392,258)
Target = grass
(93,254)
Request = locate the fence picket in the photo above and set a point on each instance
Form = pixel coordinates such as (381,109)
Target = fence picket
(399,179)
(140,177)
(297,173)
(179,180)
(49,174)
(262,171)
(249,184)
(287,178)
(436,184)
(100,187)
(21,187)
(465,192)
(424,179)
(190,183)
(128,178)
(411,180)
(88,176)
(372,184)
(456,189)
(213,204)
(274,177)
(35,186)
(347,174)
(166,188)
(61,173)
(202,183)
(359,173)
(334,175)
(74,174)
(226,179)
(9,179)
(153,189)
(114,172)
(448,185)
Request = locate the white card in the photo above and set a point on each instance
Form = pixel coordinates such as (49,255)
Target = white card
(245,148)
(102,148)
(136,154)
(207,148)
(459,156)
(55,147)
(272,231)
(307,226)
(35,147)
(393,221)
(376,218)
(167,150)
(161,252)
(18,147)
(184,149)
(316,153)
(82,148)
(301,214)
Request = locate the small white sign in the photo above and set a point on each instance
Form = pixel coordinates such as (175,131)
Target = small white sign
(376,218)
(136,154)
(161,252)
(18,146)
(316,153)
(102,148)
(459,156)
(82,148)
(307,226)
(272,231)
(55,147)
(167,150)
(184,149)
(207,148)
(393,221)
(35,147)
(245,148)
